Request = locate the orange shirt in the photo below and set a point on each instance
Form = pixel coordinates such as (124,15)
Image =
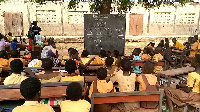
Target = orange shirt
(3,62)
(99,60)
(195,49)
(152,80)
(146,56)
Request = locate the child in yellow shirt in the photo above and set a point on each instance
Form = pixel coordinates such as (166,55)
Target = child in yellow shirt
(30,89)
(3,61)
(177,44)
(84,57)
(74,104)
(101,58)
(109,66)
(146,54)
(158,56)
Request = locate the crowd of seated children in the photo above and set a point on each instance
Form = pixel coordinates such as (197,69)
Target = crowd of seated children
(3,60)
(101,58)
(71,75)
(101,86)
(158,56)
(148,82)
(126,83)
(109,66)
(75,103)
(3,42)
(146,54)
(30,89)
(186,94)
(137,57)
(15,55)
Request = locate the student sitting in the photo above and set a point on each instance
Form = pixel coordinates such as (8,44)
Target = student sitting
(15,78)
(194,48)
(30,89)
(35,60)
(74,56)
(126,83)
(3,61)
(10,36)
(158,56)
(148,82)
(84,57)
(101,86)
(67,56)
(14,44)
(186,94)
(177,44)
(15,55)
(109,66)
(101,58)
(136,57)
(168,54)
(146,54)
(74,104)
(161,44)
(2,42)
(70,67)
(49,75)
(115,56)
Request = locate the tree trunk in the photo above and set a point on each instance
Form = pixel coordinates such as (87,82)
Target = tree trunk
(106,6)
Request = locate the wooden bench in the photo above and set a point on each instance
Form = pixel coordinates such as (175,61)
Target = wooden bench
(56,89)
(102,98)
(160,63)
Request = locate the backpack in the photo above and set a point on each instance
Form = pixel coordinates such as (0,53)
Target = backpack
(149,104)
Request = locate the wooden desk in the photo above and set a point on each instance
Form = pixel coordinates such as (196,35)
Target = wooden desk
(12,92)
(174,72)
(102,98)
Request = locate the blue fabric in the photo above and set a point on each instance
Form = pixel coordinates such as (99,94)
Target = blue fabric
(137,69)
(14,45)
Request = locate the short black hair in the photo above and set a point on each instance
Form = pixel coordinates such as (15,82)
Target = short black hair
(47,63)
(30,87)
(16,65)
(73,52)
(70,49)
(85,53)
(126,64)
(147,50)
(116,53)
(5,54)
(158,49)
(101,73)
(14,53)
(2,55)
(109,61)
(74,91)
(197,58)
(148,67)
(70,66)
(137,50)
(103,53)
(9,34)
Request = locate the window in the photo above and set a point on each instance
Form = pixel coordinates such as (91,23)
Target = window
(162,18)
(46,16)
(188,18)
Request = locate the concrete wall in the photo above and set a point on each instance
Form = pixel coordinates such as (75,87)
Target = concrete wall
(56,19)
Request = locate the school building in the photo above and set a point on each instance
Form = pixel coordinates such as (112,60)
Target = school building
(56,19)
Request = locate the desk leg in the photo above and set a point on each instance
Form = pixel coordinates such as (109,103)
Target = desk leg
(158,78)
(169,81)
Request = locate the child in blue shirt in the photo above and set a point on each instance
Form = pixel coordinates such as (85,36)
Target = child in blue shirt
(136,57)
(14,44)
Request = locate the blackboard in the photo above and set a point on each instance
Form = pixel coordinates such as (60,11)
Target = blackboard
(104,32)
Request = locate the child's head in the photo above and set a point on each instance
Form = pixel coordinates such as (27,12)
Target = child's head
(125,64)
(196,61)
(148,67)
(190,40)
(152,44)
(74,91)
(174,40)
(101,73)
(30,89)
(34,23)
(158,50)
(47,64)
(102,53)
(5,54)
(16,66)
(14,53)
(15,40)
(147,50)
(85,53)
(136,51)
(194,39)
(166,40)
(109,61)
(2,54)
(115,54)
(35,54)
(74,54)
(9,34)
(70,50)
(70,66)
